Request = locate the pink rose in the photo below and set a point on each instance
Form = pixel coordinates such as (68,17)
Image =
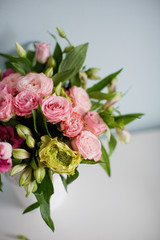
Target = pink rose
(11,81)
(6,106)
(24,102)
(42,52)
(56,108)
(5,157)
(7,73)
(80,100)
(94,123)
(72,126)
(88,145)
(36,82)
(8,134)
(4,88)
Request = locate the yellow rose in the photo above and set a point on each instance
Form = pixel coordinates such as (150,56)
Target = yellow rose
(58,156)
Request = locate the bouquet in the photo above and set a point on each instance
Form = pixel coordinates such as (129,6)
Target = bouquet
(50,122)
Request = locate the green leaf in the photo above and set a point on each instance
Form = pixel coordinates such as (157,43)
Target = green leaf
(33,163)
(18,68)
(30,56)
(43,195)
(74,59)
(75,81)
(125,119)
(35,122)
(103,83)
(31,207)
(112,145)
(72,178)
(87,161)
(101,96)
(95,105)
(22,237)
(105,163)
(109,119)
(62,76)
(57,56)
(64,181)
(1,183)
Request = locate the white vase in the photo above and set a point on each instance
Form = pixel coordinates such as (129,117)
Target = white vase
(56,199)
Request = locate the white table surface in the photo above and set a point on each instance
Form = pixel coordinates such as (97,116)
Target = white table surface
(125,206)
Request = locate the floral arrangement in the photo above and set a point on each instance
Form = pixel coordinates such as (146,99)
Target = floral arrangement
(50,122)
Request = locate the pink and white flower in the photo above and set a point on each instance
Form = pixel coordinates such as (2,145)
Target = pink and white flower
(88,145)
(6,106)
(5,157)
(24,102)
(80,98)
(42,52)
(72,126)
(12,81)
(36,82)
(56,108)
(94,123)
(4,88)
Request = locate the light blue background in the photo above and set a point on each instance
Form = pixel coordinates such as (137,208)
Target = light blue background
(120,34)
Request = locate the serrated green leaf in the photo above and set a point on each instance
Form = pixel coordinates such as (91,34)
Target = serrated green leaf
(1,183)
(112,145)
(105,163)
(31,207)
(72,178)
(103,83)
(62,76)
(43,195)
(126,119)
(102,96)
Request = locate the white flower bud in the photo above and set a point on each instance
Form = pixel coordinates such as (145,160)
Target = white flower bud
(39,174)
(20,50)
(20,154)
(25,177)
(22,131)
(17,168)
(123,135)
(30,141)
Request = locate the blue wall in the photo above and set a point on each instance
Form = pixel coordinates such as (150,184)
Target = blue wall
(121,34)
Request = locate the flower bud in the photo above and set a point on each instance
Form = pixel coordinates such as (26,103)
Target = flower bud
(39,174)
(25,177)
(114,100)
(34,186)
(20,153)
(30,141)
(123,135)
(17,168)
(28,188)
(68,49)
(20,50)
(112,85)
(83,78)
(61,32)
(51,62)
(91,73)
(49,72)
(22,131)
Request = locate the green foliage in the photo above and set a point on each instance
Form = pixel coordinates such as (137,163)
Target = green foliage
(112,145)
(43,195)
(57,56)
(103,83)
(102,96)
(126,119)
(105,163)
(31,207)
(71,178)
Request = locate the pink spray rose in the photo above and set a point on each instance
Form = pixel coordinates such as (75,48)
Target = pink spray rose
(7,73)
(6,106)
(72,126)
(88,145)
(5,157)
(4,88)
(42,52)
(36,82)
(11,81)
(8,134)
(24,102)
(80,100)
(94,123)
(56,108)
